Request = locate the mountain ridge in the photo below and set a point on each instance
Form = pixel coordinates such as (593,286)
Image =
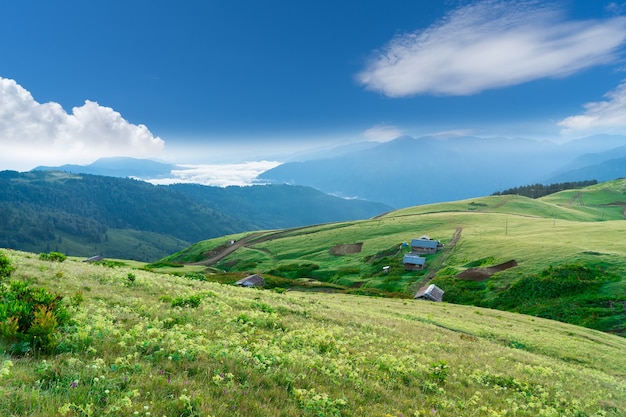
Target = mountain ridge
(120,217)
(410,171)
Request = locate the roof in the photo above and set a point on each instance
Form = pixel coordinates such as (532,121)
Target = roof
(94,258)
(432,292)
(424,243)
(251,281)
(414,259)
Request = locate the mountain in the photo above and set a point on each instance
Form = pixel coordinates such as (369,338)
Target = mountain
(602,166)
(280,206)
(560,256)
(602,171)
(123,167)
(83,214)
(409,171)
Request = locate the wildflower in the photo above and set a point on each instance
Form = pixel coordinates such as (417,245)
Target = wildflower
(74,383)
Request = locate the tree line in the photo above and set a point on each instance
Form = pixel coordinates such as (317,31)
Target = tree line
(541,190)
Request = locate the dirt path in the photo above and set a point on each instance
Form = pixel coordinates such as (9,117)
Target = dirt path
(251,239)
(482,274)
(227,250)
(435,266)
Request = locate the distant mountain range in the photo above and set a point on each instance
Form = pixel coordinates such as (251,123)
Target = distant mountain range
(84,215)
(122,167)
(411,171)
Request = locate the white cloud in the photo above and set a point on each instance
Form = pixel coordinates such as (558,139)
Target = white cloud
(491,44)
(220,175)
(607,116)
(32,133)
(383,133)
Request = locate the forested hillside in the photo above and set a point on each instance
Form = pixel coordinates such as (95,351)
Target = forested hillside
(85,215)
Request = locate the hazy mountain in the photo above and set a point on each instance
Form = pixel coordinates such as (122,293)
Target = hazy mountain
(605,170)
(601,166)
(409,171)
(123,167)
(279,206)
(83,214)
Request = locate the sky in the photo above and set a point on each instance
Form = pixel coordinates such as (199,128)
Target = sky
(241,82)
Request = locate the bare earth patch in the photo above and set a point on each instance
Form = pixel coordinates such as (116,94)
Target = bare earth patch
(346,249)
(481,274)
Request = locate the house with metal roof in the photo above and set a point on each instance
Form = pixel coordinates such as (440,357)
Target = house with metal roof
(431,292)
(425,245)
(94,258)
(251,281)
(413,262)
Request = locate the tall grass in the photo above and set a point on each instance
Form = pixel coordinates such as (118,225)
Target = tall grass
(230,351)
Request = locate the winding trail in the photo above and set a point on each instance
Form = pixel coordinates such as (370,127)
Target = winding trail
(252,239)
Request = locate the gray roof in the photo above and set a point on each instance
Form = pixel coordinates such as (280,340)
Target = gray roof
(424,243)
(432,292)
(414,259)
(251,281)
(94,258)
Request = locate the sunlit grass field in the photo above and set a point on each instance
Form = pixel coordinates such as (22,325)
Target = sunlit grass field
(144,347)
(566,229)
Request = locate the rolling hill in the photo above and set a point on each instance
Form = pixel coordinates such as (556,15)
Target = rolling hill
(86,215)
(567,248)
(149,344)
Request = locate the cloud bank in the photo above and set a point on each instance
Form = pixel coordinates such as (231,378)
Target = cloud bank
(221,175)
(383,133)
(608,116)
(32,133)
(491,44)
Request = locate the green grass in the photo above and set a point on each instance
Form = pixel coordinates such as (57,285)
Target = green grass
(165,345)
(555,230)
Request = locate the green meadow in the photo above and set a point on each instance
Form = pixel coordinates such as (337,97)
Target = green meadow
(145,343)
(574,233)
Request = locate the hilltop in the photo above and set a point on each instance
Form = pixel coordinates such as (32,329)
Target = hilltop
(86,215)
(566,252)
(144,343)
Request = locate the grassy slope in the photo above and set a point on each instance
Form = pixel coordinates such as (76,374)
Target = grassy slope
(244,352)
(572,227)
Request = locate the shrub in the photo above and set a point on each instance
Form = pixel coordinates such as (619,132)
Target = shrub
(6,269)
(303,270)
(196,276)
(192,301)
(30,317)
(52,257)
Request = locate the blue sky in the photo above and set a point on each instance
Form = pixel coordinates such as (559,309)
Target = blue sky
(216,81)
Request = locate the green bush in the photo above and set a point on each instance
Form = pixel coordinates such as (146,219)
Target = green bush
(303,270)
(196,276)
(30,318)
(130,279)
(6,269)
(192,301)
(551,284)
(52,257)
